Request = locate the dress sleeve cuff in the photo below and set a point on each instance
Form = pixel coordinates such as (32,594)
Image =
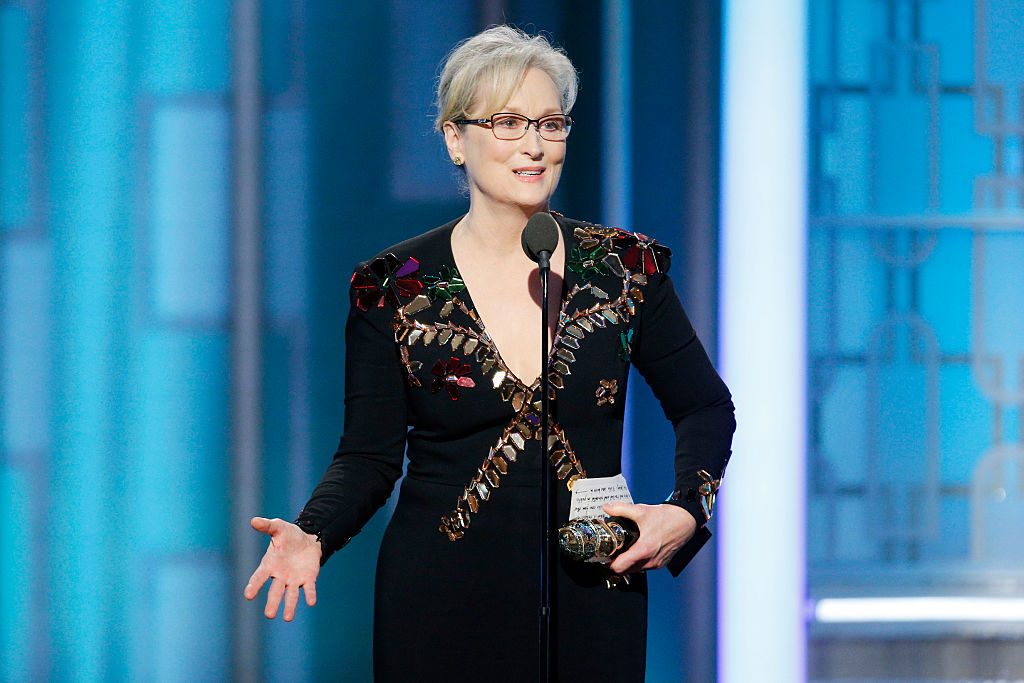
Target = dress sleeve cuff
(326,549)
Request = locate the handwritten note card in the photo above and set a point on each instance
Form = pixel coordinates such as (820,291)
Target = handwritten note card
(588,495)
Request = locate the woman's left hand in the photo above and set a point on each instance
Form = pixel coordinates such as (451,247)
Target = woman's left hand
(664,529)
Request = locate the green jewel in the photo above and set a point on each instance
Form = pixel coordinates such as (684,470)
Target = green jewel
(625,344)
(445,285)
(588,262)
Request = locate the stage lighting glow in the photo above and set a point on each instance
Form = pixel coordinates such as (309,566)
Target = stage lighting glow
(763,348)
(918,609)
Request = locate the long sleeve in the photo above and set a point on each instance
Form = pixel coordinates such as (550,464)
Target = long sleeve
(693,396)
(369,457)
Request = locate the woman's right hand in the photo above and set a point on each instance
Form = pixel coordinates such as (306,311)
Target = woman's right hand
(292,560)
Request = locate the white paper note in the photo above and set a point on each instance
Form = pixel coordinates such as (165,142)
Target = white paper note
(588,495)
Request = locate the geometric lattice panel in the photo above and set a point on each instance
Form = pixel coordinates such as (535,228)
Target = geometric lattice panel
(916,301)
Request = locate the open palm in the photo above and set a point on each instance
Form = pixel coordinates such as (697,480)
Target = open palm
(292,560)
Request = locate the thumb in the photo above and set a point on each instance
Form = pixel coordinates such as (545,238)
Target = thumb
(261,524)
(619,510)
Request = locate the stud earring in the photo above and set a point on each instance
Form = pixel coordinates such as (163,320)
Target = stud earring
(458,161)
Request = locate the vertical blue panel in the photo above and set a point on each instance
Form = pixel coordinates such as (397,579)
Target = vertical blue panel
(1002,303)
(844,164)
(190,236)
(844,444)
(189,641)
(281,55)
(26,329)
(421,36)
(16,613)
(180,433)
(286,353)
(287,211)
(860,290)
(943,299)
(187,46)
(945,24)
(90,136)
(1004,58)
(14,150)
(860,26)
(901,123)
(968,417)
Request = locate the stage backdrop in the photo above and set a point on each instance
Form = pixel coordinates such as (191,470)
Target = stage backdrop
(916,359)
(124,203)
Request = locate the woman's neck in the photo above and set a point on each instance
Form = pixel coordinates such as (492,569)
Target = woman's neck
(496,231)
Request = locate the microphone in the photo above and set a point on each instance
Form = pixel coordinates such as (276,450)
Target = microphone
(540,237)
(597,539)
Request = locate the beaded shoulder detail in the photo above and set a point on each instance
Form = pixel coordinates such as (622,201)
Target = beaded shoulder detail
(614,251)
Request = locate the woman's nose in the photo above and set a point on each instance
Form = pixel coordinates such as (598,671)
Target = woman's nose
(531,141)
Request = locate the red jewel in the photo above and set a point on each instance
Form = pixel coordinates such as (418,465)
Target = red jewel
(642,254)
(451,375)
(386,278)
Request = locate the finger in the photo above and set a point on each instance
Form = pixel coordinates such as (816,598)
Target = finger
(256,581)
(632,560)
(260,524)
(310,590)
(623,564)
(274,598)
(291,601)
(621,510)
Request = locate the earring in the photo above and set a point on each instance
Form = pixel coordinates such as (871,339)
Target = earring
(458,161)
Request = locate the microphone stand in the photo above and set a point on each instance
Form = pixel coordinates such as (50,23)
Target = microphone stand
(546,491)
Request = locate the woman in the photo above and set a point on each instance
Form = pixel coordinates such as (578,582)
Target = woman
(441,341)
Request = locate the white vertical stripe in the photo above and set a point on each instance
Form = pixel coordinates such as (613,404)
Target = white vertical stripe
(762,341)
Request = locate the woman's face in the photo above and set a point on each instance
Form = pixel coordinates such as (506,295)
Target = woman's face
(492,164)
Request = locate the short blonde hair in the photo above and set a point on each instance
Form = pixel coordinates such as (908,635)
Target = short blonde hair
(492,64)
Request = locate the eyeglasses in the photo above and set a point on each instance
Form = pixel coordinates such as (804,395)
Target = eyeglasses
(507,126)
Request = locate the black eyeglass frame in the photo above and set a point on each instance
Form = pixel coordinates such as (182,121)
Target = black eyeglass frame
(536,122)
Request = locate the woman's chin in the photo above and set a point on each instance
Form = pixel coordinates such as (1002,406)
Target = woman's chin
(534,197)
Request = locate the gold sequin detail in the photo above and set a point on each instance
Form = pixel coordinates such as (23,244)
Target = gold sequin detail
(606,390)
(708,491)
(572,331)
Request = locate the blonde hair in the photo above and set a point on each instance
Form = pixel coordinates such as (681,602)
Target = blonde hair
(491,64)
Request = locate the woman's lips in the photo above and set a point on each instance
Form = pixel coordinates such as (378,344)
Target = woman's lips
(530,178)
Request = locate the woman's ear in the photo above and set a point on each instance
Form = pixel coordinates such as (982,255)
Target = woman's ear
(452,141)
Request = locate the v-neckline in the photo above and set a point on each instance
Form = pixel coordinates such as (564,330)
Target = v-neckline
(567,275)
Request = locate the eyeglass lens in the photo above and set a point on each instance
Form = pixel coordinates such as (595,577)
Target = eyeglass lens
(514,126)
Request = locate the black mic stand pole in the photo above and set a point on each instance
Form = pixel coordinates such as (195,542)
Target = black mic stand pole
(546,492)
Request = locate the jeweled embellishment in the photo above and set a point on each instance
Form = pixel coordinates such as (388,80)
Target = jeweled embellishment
(588,261)
(642,254)
(606,390)
(510,444)
(630,257)
(452,375)
(626,344)
(445,285)
(386,278)
(411,367)
(416,305)
(708,491)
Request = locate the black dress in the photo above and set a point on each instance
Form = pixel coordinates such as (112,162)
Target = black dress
(458,569)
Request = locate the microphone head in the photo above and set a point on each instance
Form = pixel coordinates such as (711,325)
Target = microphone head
(540,234)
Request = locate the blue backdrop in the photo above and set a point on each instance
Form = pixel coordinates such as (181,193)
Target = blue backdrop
(118,218)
